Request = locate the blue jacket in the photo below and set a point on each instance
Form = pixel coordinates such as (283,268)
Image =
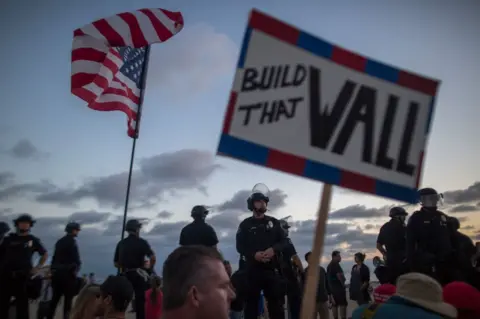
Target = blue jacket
(397,308)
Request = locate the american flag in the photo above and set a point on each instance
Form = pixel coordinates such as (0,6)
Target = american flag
(109,58)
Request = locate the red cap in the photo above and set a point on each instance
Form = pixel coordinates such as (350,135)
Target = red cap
(383,292)
(462,296)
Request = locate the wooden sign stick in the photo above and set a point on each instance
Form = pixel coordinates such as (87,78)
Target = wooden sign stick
(310,292)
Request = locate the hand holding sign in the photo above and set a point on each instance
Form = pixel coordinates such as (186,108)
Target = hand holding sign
(304,106)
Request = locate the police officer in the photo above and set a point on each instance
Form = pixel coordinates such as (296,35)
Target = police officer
(292,269)
(198,232)
(261,239)
(391,243)
(465,252)
(430,240)
(130,259)
(65,266)
(16,266)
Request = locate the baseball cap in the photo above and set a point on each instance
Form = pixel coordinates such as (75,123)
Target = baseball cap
(118,287)
(383,292)
(462,296)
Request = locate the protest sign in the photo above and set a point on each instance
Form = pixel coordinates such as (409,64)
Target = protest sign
(304,106)
(307,107)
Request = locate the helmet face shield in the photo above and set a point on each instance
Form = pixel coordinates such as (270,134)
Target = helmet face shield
(431,200)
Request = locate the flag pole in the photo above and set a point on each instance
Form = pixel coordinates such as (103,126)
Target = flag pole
(134,143)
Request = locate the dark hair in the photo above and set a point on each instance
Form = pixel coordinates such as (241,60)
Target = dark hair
(307,255)
(335,253)
(184,268)
(119,289)
(360,256)
(155,283)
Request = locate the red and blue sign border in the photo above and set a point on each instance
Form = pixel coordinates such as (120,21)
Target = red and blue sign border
(247,151)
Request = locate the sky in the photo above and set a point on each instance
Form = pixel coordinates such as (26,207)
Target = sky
(60,160)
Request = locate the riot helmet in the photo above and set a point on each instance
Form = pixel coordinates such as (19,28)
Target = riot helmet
(398,213)
(257,202)
(429,197)
(72,228)
(199,212)
(133,226)
(23,223)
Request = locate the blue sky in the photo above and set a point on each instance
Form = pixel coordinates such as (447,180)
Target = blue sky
(189,81)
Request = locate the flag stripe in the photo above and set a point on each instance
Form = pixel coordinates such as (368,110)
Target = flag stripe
(108,56)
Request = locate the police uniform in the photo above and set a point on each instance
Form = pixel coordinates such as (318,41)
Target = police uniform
(65,265)
(431,242)
(392,236)
(465,252)
(294,292)
(254,235)
(130,256)
(198,232)
(15,270)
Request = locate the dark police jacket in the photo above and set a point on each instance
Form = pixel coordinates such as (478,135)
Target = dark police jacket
(392,235)
(131,251)
(429,237)
(198,233)
(259,234)
(17,252)
(66,255)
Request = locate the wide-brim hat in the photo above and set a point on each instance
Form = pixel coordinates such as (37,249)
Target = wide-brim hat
(425,292)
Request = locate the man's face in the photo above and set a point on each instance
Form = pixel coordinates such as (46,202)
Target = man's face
(260,206)
(23,226)
(75,232)
(214,297)
(338,258)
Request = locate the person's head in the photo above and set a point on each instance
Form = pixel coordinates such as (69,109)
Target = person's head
(424,292)
(429,198)
(228,267)
(72,228)
(453,222)
(199,212)
(383,292)
(133,227)
(307,258)
(336,256)
(196,284)
(398,213)
(359,258)
(23,223)
(87,303)
(91,275)
(463,297)
(257,203)
(116,294)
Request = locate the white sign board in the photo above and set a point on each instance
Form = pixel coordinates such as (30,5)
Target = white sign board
(304,106)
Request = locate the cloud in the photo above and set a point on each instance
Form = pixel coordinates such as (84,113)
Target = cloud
(461,196)
(24,149)
(463,208)
(239,201)
(11,189)
(155,178)
(359,211)
(192,61)
(164,214)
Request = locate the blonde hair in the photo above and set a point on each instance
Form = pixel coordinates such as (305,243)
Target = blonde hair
(83,307)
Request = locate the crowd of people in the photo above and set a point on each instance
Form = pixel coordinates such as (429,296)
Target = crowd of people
(428,269)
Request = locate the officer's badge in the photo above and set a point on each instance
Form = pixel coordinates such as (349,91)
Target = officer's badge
(270,224)
(443,218)
(29,243)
